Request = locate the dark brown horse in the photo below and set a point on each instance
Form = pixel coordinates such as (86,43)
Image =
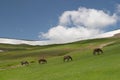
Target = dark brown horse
(24,63)
(67,58)
(97,51)
(42,61)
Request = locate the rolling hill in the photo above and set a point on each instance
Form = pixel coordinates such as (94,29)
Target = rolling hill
(85,66)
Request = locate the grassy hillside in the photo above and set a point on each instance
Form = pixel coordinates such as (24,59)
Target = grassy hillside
(85,66)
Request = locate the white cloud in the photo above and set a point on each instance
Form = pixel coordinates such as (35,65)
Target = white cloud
(62,34)
(90,18)
(79,24)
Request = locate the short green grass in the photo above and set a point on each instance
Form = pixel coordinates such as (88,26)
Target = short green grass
(85,66)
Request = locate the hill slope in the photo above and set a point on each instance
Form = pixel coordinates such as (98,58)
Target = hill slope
(85,66)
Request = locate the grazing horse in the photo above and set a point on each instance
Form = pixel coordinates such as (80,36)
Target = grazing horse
(97,51)
(42,61)
(24,63)
(67,58)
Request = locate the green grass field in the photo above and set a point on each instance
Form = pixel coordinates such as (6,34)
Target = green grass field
(85,66)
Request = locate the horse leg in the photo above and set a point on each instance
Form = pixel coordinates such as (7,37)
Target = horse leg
(27,63)
(101,51)
(71,58)
(94,53)
(98,53)
(68,59)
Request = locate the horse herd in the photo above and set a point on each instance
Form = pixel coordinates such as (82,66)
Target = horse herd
(96,51)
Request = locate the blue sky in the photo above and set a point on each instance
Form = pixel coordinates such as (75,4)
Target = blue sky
(26,19)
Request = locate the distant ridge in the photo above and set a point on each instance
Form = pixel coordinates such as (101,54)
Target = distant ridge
(115,33)
(17,41)
(109,34)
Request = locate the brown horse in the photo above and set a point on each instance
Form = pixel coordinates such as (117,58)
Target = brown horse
(67,58)
(24,63)
(97,51)
(42,61)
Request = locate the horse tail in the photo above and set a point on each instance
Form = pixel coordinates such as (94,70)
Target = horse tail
(39,61)
(63,59)
(94,51)
(21,63)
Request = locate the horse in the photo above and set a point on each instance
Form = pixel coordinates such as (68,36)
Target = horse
(97,51)
(42,61)
(67,58)
(24,63)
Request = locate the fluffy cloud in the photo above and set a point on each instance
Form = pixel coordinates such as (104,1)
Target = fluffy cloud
(63,34)
(79,24)
(90,18)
